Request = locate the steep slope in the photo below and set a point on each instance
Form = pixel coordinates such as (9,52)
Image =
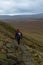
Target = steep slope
(8,54)
(29,48)
(6,32)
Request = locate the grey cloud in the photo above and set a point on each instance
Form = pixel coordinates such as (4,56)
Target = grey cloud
(21,6)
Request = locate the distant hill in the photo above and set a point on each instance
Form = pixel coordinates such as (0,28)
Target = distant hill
(21,16)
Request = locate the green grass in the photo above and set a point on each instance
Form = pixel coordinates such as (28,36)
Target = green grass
(35,43)
(7,38)
(6,31)
(32,40)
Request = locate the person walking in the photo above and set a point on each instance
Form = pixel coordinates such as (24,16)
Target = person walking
(18,36)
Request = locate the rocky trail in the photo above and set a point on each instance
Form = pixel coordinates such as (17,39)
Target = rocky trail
(16,55)
(26,56)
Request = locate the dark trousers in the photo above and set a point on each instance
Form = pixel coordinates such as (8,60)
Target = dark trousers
(18,41)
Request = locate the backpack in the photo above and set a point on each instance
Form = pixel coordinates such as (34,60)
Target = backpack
(19,35)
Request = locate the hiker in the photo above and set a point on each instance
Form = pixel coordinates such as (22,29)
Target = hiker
(18,36)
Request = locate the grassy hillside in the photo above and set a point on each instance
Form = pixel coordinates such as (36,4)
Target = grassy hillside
(32,41)
(31,28)
(6,32)
(7,45)
(33,36)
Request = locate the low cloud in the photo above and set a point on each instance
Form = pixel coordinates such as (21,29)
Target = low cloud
(15,7)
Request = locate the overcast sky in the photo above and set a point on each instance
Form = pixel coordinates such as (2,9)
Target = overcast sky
(17,7)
